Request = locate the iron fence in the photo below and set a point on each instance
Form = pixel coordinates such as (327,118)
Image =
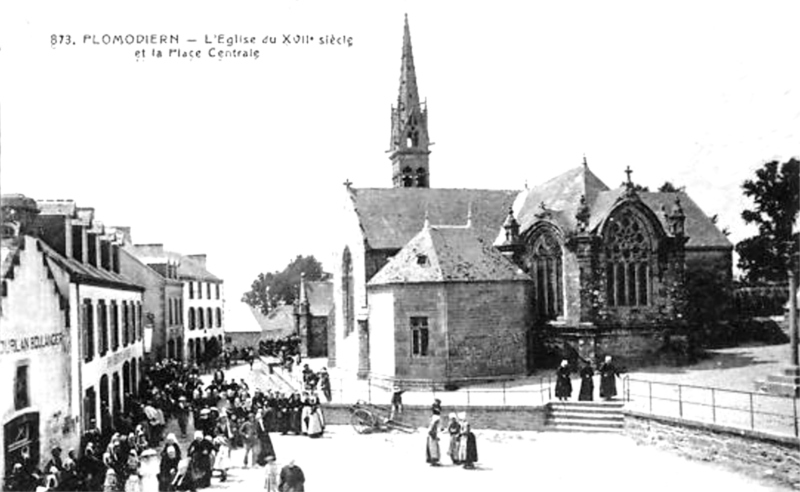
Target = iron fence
(423,392)
(762,412)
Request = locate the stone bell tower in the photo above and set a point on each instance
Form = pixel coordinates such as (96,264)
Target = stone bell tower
(409,143)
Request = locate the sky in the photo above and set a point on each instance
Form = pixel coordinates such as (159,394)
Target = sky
(244,159)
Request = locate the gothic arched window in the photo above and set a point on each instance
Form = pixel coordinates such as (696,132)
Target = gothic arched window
(546,269)
(629,248)
(408,178)
(422,177)
(348,299)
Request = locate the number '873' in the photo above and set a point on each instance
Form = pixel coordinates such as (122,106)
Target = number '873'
(60,39)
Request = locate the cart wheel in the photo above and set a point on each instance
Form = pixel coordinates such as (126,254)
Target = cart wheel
(362,421)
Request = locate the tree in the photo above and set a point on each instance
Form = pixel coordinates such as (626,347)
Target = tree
(270,289)
(776,195)
(668,187)
(637,187)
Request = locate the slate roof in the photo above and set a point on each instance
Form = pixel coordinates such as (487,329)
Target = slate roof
(87,274)
(451,254)
(278,323)
(561,197)
(320,297)
(390,217)
(698,226)
(187,267)
(57,207)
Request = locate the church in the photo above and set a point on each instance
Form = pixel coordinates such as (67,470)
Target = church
(438,286)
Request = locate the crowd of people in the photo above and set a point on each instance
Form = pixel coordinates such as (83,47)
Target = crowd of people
(224,415)
(608,385)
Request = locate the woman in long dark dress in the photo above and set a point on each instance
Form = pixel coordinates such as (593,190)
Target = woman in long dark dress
(587,383)
(608,384)
(563,382)
(168,467)
(470,447)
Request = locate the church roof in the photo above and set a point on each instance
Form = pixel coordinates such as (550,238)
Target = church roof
(701,231)
(320,297)
(561,198)
(278,323)
(561,194)
(391,217)
(448,254)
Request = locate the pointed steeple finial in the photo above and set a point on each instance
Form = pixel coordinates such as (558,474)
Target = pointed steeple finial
(427,223)
(409,142)
(585,164)
(629,171)
(303,294)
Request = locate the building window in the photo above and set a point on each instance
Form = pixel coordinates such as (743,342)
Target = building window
(201,320)
(219,317)
(191,290)
(419,336)
(628,248)
(125,320)
(208,290)
(199,290)
(90,409)
(348,297)
(422,178)
(114,325)
(134,378)
(407,179)
(139,326)
(209,318)
(88,330)
(170,312)
(180,311)
(102,327)
(217,287)
(191,318)
(546,269)
(22,397)
(422,260)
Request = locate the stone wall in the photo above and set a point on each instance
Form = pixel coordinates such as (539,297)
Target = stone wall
(757,454)
(486,328)
(513,418)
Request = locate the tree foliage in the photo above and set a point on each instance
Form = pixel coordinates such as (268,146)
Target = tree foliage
(270,289)
(668,187)
(776,195)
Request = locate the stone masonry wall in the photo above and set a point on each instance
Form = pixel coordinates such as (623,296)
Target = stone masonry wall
(757,454)
(513,418)
(486,328)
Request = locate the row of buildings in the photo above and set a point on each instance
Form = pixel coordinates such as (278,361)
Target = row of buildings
(83,310)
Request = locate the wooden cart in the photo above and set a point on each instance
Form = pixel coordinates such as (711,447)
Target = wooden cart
(367,417)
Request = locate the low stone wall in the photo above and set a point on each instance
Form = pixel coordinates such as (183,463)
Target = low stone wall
(759,455)
(513,418)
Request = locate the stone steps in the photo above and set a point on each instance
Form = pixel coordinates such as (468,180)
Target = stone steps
(584,416)
(786,383)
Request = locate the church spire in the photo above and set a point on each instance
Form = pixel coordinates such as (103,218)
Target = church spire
(409,143)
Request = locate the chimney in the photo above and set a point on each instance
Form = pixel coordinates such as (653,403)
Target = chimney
(200,258)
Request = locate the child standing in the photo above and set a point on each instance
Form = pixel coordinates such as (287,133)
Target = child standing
(271,481)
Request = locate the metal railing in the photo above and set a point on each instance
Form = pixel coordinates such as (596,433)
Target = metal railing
(762,412)
(423,392)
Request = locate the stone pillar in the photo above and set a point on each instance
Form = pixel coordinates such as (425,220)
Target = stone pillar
(591,293)
(363,349)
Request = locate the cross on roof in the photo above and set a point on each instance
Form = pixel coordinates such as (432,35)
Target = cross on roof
(628,171)
(347,183)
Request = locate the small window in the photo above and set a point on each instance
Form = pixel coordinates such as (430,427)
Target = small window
(191,290)
(419,336)
(21,390)
(422,260)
